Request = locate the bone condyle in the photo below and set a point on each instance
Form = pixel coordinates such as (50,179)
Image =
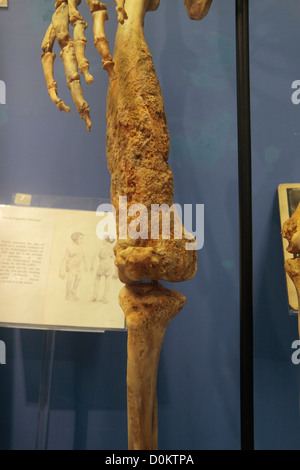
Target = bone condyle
(137,149)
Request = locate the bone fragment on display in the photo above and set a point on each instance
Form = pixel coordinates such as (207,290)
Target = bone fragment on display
(137,153)
(59,29)
(47,61)
(48,58)
(79,25)
(290,231)
(60,21)
(152,4)
(73,81)
(95,5)
(120,8)
(80,45)
(197,9)
(292,268)
(101,41)
(148,310)
(49,39)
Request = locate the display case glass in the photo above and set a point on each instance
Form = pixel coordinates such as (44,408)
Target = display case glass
(50,153)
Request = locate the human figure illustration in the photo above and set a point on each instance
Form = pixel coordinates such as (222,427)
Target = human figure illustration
(72,265)
(105,269)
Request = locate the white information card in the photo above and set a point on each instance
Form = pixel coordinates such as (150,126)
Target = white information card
(55,272)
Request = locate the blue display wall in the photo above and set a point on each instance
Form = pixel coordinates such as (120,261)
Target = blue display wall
(43,151)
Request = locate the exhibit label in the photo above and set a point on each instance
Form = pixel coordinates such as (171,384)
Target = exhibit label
(55,272)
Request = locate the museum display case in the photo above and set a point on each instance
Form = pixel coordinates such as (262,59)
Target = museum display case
(106,339)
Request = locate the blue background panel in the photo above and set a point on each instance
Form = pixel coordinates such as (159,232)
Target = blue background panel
(43,151)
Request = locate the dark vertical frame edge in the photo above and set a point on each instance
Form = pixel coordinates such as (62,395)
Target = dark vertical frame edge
(245,224)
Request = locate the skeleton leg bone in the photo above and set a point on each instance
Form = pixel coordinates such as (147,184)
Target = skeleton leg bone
(148,310)
(137,153)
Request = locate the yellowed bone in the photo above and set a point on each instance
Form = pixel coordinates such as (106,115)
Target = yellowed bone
(101,42)
(80,45)
(47,61)
(153,5)
(95,5)
(73,10)
(48,58)
(292,268)
(73,81)
(122,15)
(80,41)
(66,12)
(60,21)
(137,151)
(291,232)
(59,2)
(197,9)
(148,309)
(99,14)
(49,39)
(290,229)
(72,54)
